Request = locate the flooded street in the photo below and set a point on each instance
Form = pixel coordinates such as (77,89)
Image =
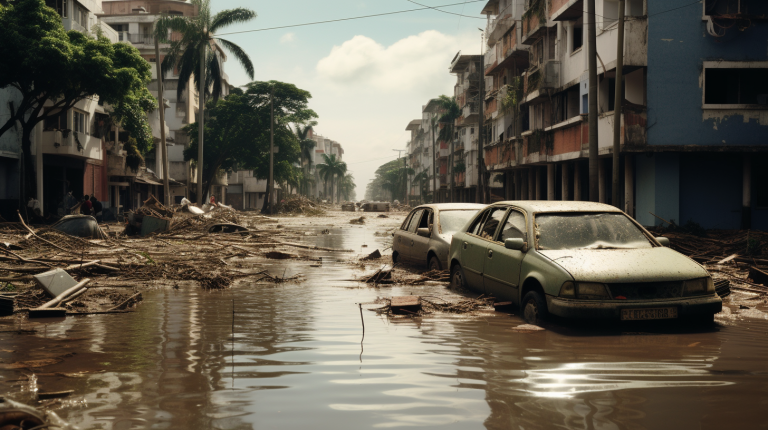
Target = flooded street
(292,356)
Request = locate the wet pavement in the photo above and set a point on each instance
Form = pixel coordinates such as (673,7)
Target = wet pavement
(290,356)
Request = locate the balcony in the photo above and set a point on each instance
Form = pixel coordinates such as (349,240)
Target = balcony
(469,112)
(130,7)
(533,22)
(500,25)
(116,166)
(544,77)
(75,144)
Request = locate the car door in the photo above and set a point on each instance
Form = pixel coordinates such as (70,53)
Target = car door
(401,241)
(410,234)
(420,246)
(501,271)
(475,243)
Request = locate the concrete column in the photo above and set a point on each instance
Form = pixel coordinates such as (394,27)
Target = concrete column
(629,185)
(565,183)
(746,196)
(601,179)
(531,183)
(539,185)
(577,181)
(551,174)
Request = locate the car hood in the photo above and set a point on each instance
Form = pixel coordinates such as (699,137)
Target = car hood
(626,265)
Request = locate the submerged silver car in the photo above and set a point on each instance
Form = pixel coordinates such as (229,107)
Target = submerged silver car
(425,235)
(580,260)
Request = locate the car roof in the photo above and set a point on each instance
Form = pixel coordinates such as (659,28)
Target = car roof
(559,206)
(451,206)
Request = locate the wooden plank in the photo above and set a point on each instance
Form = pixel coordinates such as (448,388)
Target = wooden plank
(405,304)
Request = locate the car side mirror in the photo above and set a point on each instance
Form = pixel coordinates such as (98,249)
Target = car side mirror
(516,244)
(422,232)
(664,241)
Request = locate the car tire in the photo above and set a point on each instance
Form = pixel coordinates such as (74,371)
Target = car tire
(395,258)
(458,281)
(434,263)
(534,308)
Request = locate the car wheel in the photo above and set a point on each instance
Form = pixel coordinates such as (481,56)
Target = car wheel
(434,263)
(457,277)
(534,308)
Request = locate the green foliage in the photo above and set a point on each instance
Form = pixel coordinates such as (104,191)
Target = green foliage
(150,261)
(131,112)
(237,136)
(451,111)
(330,169)
(460,168)
(513,93)
(197,33)
(134,157)
(537,8)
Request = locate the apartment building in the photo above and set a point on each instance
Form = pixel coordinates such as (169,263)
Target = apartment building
(468,71)
(319,189)
(693,111)
(69,149)
(414,150)
(134,21)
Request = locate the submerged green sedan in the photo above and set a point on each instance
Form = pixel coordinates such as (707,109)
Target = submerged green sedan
(578,260)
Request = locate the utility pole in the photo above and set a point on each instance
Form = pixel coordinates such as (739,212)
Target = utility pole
(593,161)
(433,126)
(161,109)
(617,107)
(270,182)
(480,194)
(201,127)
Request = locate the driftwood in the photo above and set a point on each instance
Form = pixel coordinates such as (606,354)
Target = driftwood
(65,294)
(38,237)
(123,304)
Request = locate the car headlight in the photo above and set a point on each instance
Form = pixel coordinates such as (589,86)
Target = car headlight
(584,290)
(591,290)
(699,286)
(568,290)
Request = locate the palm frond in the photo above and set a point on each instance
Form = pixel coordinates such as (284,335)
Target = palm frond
(189,65)
(228,17)
(168,23)
(213,79)
(239,54)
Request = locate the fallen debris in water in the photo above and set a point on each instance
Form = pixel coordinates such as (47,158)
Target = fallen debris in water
(360,220)
(277,255)
(372,256)
(405,304)
(527,328)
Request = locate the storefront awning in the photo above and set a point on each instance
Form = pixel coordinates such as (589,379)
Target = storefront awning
(147,181)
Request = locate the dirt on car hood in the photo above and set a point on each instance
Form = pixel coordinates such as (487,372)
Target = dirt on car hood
(626,265)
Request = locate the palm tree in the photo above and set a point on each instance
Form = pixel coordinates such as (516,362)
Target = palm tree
(307,145)
(198,50)
(346,186)
(330,169)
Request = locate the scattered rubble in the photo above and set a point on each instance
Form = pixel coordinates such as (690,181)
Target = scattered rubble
(358,221)
(300,205)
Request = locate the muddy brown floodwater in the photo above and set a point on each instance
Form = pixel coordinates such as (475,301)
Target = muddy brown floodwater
(291,358)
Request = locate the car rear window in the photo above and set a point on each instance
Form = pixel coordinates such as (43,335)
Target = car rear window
(588,231)
(453,220)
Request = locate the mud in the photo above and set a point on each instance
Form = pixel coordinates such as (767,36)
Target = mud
(291,355)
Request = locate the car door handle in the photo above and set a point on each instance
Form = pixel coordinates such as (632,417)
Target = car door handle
(490,253)
(465,245)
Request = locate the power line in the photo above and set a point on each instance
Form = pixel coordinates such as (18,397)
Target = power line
(445,11)
(375,159)
(349,19)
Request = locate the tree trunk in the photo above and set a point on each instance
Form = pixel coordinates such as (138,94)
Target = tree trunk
(201,128)
(30,180)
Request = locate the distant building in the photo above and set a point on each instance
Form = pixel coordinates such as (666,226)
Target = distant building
(319,188)
(468,71)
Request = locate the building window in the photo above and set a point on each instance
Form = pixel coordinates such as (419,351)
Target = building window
(58,122)
(610,12)
(577,37)
(78,119)
(736,86)
(64,8)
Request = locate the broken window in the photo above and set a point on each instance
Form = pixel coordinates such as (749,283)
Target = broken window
(57,122)
(577,37)
(736,86)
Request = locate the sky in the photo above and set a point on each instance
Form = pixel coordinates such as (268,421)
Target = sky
(368,77)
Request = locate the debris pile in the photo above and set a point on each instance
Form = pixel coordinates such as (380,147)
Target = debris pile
(299,205)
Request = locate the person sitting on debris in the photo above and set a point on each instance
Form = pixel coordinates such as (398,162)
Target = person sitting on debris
(97,208)
(86,206)
(213,201)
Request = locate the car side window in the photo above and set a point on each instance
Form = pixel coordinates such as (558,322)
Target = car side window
(514,227)
(404,225)
(474,228)
(492,223)
(426,219)
(415,219)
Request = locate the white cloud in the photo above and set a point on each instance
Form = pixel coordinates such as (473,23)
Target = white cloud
(415,62)
(287,38)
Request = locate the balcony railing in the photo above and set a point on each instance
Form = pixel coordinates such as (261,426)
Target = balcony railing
(147,38)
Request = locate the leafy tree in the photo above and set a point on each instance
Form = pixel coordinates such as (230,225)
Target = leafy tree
(195,53)
(237,136)
(347,186)
(43,63)
(307,145)
(287,103)
(330,169)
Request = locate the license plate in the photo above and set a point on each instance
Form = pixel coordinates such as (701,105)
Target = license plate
(648,314)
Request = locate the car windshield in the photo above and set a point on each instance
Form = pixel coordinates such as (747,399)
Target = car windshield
(452,221)
(588,231)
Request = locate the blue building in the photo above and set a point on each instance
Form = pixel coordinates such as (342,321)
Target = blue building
(706,157)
